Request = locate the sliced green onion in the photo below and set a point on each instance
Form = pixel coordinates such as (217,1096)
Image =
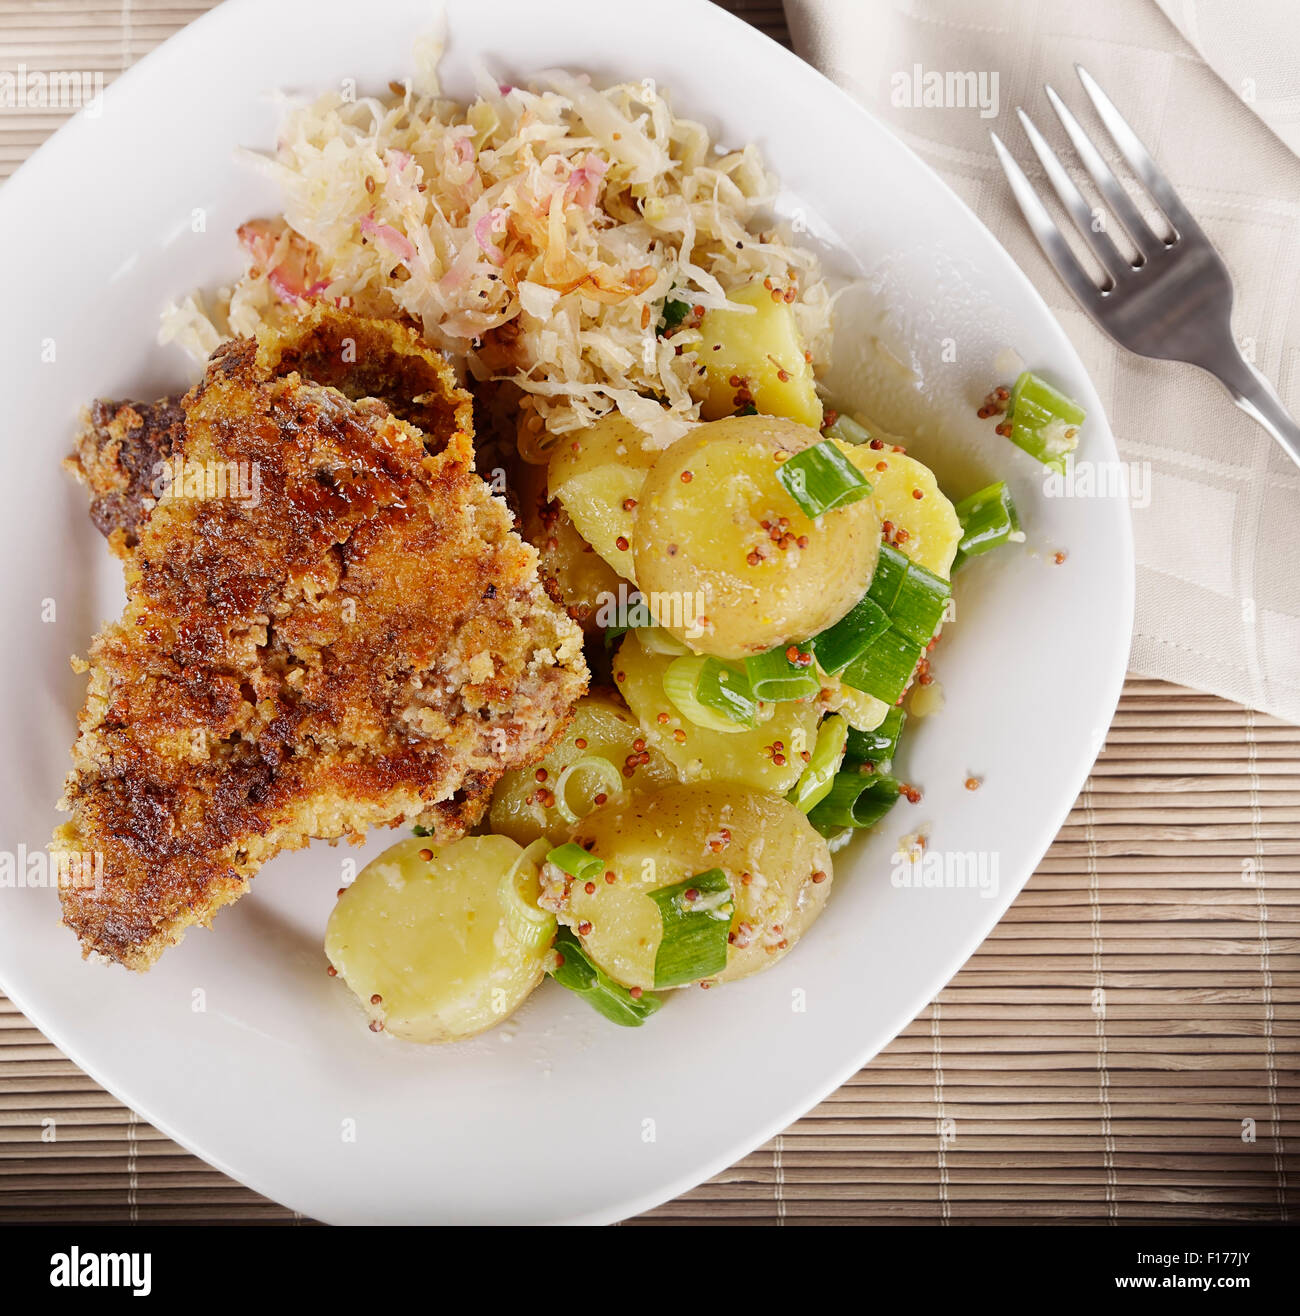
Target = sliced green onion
(988,518)
(918,609)
(855,799)
(878,746)
(696,916)
(726,691)
(654,639)
(710,694)
(912,597)
(837,840)
(673,315)
(571,858)
(530,925)
(587,763)
(839,645)
(575,970)
(638,615)
(891,572)
(772,676)
(1044,422)
(847,430)
(828,753)
(822,478)
(885,667)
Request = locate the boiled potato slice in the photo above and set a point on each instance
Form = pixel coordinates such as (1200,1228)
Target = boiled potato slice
(720,540)
(595,473)
(762,348)
(750,757)
(933,530)
(524,805)
(777,865)
(428,945)
(582,576)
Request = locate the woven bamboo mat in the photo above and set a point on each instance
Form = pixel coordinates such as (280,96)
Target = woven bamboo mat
(1174,888)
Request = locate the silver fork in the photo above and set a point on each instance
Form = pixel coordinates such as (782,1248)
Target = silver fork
(1174,302)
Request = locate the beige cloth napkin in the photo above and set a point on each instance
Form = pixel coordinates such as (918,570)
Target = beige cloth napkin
(1218,546)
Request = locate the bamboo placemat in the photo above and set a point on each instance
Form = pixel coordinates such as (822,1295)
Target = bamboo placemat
(1174,889)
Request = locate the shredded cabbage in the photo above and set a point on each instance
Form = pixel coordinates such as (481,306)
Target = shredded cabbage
(534,235)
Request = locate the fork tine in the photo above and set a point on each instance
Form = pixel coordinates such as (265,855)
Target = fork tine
(1108,185)
(1043,227)
(1138,157)
(1072,199)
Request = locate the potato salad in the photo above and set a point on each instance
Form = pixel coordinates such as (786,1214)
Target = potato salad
(760,573)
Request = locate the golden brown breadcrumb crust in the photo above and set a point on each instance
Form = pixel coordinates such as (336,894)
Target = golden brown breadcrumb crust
(367,642)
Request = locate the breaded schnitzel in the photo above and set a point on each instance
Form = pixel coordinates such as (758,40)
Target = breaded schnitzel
(363,640)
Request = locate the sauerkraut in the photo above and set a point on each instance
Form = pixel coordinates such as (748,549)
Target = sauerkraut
(536,235)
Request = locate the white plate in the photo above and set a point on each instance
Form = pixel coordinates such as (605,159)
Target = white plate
(238,1045)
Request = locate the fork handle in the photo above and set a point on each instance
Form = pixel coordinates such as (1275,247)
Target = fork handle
(1258,399)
